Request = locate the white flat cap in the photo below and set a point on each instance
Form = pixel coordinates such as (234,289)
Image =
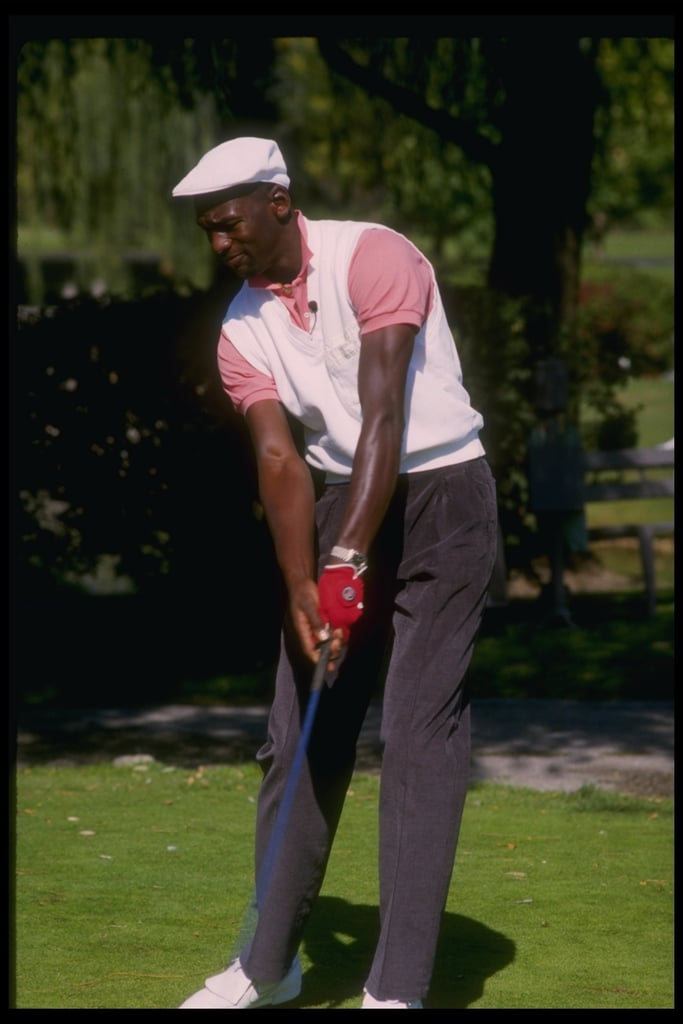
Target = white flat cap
(237,162)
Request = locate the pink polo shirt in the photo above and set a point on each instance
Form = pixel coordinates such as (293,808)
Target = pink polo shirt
(389,283)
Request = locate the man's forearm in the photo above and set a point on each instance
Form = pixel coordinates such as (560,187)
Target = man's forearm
(287,496)
(382,371)
(373,481)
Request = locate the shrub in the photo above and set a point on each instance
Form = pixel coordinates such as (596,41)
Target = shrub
(624,327)
(623,330)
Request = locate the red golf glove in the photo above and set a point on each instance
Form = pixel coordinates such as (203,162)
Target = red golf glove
(340,594)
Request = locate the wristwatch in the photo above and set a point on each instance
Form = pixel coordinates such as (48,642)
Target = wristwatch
(356,559)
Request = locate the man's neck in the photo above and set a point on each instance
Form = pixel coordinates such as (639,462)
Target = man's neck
(289,264)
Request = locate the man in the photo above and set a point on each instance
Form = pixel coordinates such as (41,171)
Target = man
(339,325)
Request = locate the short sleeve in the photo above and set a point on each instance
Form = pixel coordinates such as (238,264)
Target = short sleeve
(243,384)
(390,281)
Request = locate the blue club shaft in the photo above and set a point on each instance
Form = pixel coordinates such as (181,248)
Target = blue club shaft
(285,808)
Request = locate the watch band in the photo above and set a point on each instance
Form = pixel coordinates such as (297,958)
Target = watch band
(350,556)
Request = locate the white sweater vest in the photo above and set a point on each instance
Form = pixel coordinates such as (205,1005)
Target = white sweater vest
(316,374)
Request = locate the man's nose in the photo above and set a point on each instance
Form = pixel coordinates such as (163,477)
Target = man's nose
(220,242)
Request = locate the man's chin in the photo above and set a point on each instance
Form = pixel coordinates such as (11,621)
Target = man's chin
(235,272)
(241,268)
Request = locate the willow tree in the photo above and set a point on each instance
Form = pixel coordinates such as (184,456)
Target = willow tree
(100,140)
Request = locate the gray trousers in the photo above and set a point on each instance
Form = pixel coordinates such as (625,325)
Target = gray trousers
(425,593)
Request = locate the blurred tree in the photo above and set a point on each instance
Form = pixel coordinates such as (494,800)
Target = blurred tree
(490,149)
(497,149)
(100,143)
(634,165)
(491,152)
(544,125)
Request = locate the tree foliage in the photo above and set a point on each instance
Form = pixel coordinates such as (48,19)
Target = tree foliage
(494,153)
(100,143)
(476,147)
(634,165)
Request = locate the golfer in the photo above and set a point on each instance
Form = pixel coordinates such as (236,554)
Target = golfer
(384,526)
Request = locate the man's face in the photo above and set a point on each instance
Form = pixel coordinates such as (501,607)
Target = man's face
(245,229)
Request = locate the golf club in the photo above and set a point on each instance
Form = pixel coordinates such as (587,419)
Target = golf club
(279,828)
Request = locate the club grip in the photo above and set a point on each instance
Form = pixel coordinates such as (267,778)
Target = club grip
(321,666)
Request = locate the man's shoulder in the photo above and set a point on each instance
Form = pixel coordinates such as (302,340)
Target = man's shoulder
(343,224)
(331,231)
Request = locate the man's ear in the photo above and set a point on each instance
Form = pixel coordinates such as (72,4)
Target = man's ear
(281,201)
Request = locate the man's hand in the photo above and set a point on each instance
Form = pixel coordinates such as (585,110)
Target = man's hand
(340,590)
(310,626)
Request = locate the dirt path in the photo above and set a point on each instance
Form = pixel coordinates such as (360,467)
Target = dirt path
(541,744)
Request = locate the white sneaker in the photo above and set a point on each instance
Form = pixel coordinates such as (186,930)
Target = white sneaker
(370,1003)
(233,990)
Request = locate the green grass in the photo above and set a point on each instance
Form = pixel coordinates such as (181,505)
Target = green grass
(652,398)
(651,247)
(618,562)
(132,883)
(647,243)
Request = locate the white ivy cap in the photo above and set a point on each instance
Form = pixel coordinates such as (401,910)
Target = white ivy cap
(236,162)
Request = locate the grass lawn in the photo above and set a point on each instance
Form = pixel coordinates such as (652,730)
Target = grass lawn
(132,883)
(650,247)
(653,399)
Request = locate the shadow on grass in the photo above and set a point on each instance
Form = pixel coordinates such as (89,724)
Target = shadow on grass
(340,941)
